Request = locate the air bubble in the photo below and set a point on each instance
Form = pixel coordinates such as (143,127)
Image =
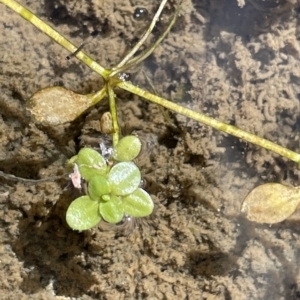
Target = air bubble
(124,76)
(140,13)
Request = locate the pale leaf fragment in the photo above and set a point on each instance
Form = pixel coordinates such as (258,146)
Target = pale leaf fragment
(271,203)
(57,105)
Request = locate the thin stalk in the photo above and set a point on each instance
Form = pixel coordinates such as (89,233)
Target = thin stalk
(95,98)
(144,37)
(53,34)
(136,60)
(249,137)
(162,109)
(113,112)
(32,181)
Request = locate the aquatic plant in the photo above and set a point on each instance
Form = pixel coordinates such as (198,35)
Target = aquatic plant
(46,109)
(113,186)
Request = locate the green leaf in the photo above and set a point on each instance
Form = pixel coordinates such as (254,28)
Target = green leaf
(127,149)
(83,213)
(98,186)
(138,204)
(124,178)
(90,163)
(112,211)
(106,197)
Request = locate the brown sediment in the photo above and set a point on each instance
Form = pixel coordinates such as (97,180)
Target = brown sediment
(239,65)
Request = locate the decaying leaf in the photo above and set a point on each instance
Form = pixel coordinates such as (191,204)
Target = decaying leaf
(271,203)
(57,105)
(106,125)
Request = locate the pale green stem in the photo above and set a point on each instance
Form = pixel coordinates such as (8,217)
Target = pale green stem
(136,60)
(53,34)
(162,109)
(113,112)
(212,122)
(95,98)
(144,37)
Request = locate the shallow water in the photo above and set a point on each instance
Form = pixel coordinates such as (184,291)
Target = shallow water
(237,64)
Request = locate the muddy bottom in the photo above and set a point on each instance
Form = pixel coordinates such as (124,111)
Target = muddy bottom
(234,61)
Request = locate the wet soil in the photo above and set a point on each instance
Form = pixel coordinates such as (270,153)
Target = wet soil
(235,61)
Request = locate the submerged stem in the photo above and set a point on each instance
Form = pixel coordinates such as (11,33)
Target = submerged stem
(249,137)
(31,181)
(139,58)
(144,37)
(136,60)
(98,96)
(53,34)
(113,112)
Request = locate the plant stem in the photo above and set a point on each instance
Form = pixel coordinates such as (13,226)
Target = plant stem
(249,137)
(113,112)
(144,37)
(53,34)
(139,58)
(32,181)
(95,98)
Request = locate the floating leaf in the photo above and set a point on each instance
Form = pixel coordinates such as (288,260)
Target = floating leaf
(57,105)
(112,211)
(98,186)
(128,148)
(124,178)
(271,203)
(90,163)
(83,213)
(138,204)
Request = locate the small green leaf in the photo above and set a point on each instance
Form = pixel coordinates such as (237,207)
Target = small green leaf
(128,148)
(90,163)
(112,211)
(105,197)
(138,204)
(124,178)
(83,213)
(98,186)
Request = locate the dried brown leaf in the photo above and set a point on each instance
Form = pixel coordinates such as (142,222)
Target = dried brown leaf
(57,105)
(271,203)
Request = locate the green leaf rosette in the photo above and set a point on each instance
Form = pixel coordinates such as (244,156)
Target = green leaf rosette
(112,192)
